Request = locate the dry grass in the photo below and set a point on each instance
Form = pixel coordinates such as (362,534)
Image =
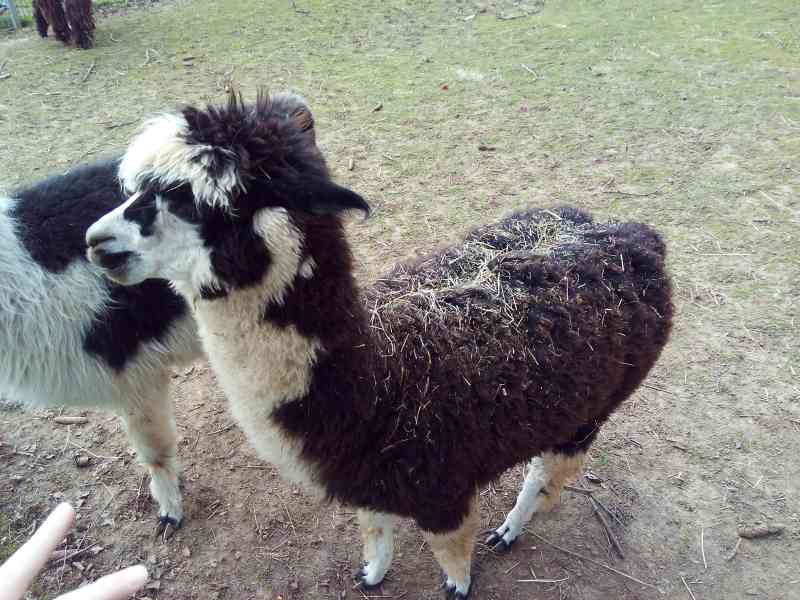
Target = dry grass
(455,282)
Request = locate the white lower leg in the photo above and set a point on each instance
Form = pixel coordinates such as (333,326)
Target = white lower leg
(151,431)
(530,499)
(453,551)
(377,531)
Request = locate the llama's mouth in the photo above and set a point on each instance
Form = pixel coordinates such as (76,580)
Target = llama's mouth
(115,264)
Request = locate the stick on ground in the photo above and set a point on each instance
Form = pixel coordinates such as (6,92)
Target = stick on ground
(598,512)
(593,561)
(688,589)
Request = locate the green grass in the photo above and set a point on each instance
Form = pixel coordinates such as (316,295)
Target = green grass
(7,548)
(682,114)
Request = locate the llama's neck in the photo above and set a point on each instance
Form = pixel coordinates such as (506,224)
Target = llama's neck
(264,341)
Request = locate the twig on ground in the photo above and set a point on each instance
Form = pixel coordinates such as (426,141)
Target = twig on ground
(62,554)
(512,567)
(123,124)
(147,57)
(732,555)
(703,547)
(92,454)
(531,71)
(688,589)
(657,388)
(541,580)
(299,10)
(89,71)
(598,512)
(289,516)
(64,420)
(222,429)
(593,561)
(635,194)
(588,492)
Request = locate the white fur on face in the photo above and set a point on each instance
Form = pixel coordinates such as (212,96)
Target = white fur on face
(174,251)
(162,152)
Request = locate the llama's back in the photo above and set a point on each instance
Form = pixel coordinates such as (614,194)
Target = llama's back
(67,334)
(532,330)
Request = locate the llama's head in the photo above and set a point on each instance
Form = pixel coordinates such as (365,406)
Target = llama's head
(211,194)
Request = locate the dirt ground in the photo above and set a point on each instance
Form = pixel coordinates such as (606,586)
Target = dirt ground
(684,114)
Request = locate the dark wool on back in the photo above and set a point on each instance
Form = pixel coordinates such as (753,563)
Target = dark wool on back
(412,405)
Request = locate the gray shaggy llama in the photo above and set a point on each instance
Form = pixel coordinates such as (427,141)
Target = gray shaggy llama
(403,399)
(71,337)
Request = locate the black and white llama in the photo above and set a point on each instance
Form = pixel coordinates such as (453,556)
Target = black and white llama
(71,337)
(404,399)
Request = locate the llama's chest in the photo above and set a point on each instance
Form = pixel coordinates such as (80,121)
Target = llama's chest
(260,368)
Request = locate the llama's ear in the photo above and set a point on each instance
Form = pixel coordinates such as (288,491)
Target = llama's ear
(321,197)
(302,118)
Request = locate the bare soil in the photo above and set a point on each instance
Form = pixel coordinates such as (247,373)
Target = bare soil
(685,115)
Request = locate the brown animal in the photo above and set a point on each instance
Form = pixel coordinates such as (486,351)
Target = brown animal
(401,400)
(72,21)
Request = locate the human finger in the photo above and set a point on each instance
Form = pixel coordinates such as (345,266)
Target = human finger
(117,586)
(21,568)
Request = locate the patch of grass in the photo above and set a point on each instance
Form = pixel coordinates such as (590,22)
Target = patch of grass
(7,547)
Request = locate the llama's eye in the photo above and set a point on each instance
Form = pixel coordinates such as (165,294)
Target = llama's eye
(180,202)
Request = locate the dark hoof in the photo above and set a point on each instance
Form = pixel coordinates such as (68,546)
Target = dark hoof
(167,526)
(361,582)
(497,543)
(451,593)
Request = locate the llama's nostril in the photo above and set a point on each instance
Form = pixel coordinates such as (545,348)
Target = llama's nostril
(93,241)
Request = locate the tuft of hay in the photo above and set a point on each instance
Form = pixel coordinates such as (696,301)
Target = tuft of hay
(468,280)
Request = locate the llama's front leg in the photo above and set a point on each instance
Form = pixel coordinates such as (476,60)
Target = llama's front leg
(453,551)
(377,531)
(151,430)
(540,492)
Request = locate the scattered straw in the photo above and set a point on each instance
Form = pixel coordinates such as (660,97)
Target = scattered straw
(453,283)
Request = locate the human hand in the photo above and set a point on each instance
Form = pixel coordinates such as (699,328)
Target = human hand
(19,571)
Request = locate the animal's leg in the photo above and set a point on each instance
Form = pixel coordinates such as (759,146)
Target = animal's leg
(81,22)
(57,19)
(151,429)
(41,21)
(377,531)
(560,469)
(541,490)
(453,550)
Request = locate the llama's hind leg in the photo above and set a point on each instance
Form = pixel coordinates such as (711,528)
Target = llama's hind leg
(41,21)
(150,424)
(377,531)
(453,551)
(541,490)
